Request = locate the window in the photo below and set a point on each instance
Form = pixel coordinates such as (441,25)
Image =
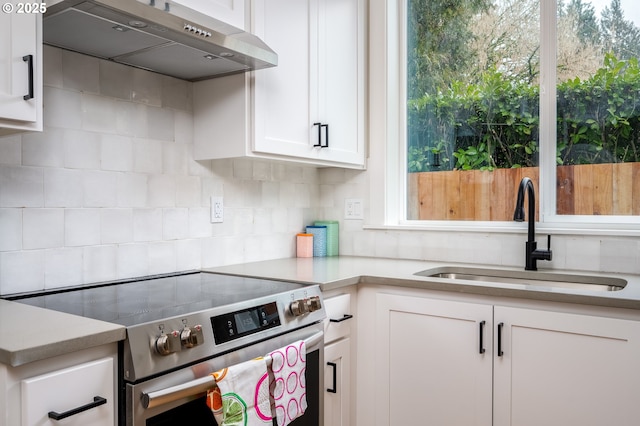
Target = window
(480,116)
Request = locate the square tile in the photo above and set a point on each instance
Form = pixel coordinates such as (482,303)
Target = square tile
(42,228)
(63,188)
(10,229)
(81,227)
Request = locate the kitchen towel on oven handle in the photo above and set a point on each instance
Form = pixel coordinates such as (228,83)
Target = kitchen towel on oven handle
(262,388)
(289,393)
(241,395)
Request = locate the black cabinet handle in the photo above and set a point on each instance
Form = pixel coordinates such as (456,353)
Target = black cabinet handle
(29,60)
(481,348)
(500,353)
(319,134)
(344,318)
(333,388)
(326,136)
(97,401)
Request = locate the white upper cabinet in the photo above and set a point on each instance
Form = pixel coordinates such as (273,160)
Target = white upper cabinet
(20,67)
(310,108)
(312,104)
(231,12)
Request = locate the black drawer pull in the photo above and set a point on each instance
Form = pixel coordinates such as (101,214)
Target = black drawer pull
(319,144)
(344,318)
(29,60)
(97,401)
(333,389)
(481,348)
(500,353)
(326,136)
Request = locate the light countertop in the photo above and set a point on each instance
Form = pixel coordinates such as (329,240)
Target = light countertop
(335,272)
(29,333)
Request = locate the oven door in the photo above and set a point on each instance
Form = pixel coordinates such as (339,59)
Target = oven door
(179,397)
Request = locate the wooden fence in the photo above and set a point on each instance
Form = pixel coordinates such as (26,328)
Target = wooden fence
(597,189)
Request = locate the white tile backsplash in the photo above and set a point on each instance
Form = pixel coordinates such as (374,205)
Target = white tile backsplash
(63,267)
(42,228)
(22,271)
(81,227)
(81,150)
(175,224)
(109,191)
(44,149)
(10,150)
(162,257)
(147,156)
(116,153)
(10,229)
(116,80)
(132,260)
(147,225)
(100,189)
(131,189)
(63,188)
(21,187)
(116,226)
(62,108)
(99,263)
(79,72)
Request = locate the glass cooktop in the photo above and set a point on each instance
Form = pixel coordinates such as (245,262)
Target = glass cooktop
(137,302)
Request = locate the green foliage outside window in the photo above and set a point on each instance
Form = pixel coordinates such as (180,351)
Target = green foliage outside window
(494,124)
(473,91)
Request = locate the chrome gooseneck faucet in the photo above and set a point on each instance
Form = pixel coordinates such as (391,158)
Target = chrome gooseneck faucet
(532,252)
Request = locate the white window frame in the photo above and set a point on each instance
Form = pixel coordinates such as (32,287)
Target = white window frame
(387,164)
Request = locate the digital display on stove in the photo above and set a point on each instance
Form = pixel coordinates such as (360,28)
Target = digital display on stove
(234,325)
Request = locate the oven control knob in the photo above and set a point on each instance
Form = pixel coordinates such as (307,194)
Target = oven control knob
(192,336)
(298,307)
(167,344)
(313,303)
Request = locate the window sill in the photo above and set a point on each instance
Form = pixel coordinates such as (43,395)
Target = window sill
(611,230)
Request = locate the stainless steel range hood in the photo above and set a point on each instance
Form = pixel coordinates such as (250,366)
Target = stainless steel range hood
(169,39)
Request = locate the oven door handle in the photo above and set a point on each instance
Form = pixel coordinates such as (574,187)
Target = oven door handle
(198,386)
(174,393)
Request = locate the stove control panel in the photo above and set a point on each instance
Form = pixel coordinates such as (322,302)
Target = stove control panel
(234,325)
(191,336)
(167,344)
(302,306)
(175,341)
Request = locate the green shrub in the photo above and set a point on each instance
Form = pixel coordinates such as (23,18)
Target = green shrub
(494,124)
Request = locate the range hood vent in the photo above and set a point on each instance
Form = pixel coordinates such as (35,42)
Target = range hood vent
(175,41)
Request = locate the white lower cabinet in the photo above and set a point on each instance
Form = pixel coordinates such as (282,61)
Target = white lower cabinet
(442,362)
(63,384)
(338,397)
(337,404)
(81,395)
(429,364)
(559,369)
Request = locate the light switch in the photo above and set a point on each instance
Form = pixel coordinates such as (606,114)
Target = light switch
(353,208)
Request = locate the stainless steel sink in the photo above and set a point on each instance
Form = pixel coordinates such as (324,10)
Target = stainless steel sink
(528,278)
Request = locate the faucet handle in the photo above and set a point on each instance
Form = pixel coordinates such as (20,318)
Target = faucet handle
(547,254)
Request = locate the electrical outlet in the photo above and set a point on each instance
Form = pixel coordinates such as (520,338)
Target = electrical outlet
(217,210)
(353,208)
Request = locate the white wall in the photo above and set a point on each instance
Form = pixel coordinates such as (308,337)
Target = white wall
(596,253)
(109,190)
